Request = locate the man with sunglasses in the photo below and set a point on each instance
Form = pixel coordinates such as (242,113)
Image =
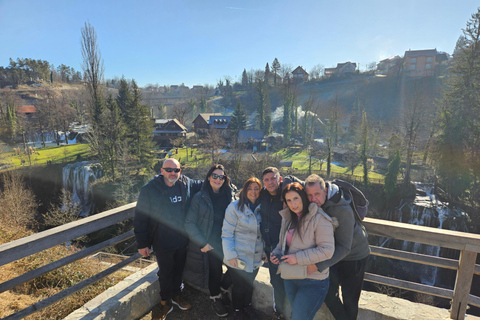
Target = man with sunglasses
(159,222)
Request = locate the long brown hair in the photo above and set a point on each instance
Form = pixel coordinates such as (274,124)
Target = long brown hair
(243,193)
(296,187)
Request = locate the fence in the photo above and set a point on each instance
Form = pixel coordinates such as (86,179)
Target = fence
(468,244)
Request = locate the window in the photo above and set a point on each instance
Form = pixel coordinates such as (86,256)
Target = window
(412,67)
(429,59)
(428,66)
(413,60)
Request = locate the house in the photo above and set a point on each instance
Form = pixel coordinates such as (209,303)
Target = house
(422,63)
(271,78)
(256,136)
(299,74)
(27,111)
(201,124)
(389,66)
(168,129)
(342,69)
(220,122)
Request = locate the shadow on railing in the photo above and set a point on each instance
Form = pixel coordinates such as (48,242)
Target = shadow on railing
(468,244)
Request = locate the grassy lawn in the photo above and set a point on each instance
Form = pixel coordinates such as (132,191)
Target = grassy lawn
(55,154)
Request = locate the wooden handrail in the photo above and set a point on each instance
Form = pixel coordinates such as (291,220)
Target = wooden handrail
(468,244)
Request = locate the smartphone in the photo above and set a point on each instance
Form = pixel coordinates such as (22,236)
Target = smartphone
(241,264)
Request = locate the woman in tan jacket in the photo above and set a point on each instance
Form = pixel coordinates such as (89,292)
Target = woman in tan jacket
(306,237)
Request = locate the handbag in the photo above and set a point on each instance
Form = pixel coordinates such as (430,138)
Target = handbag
(291,271)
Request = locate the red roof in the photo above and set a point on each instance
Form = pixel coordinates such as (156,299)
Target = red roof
(26,109)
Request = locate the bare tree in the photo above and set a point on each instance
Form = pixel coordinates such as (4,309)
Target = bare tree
(92,67)
(316,71)
(181,112)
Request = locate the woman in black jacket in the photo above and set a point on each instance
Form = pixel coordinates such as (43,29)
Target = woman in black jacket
(203,224)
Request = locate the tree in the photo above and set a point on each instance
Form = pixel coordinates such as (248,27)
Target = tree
(93,69)
(275,68)
(363,146)
(459,144)
(267,73)
(263,105)
(239,119)
(316,71)
(244,78)
(162,111)
(392,175)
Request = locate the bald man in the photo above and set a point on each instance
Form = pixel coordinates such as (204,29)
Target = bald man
(159,222)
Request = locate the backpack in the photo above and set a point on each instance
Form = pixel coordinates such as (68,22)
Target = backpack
(359,203)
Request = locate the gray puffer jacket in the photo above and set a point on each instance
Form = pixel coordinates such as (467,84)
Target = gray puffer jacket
(241,236)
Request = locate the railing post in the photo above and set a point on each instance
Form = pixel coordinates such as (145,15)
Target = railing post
(463,284)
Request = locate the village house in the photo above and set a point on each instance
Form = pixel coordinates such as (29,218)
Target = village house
(299,74)
(211,121)
(422,63)
(168,129)
(342,69)
(389,66)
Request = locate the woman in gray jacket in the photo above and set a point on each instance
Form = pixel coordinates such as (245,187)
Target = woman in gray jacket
(243,247)
(306,237)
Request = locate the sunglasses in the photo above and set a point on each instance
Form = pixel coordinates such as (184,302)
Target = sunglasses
(218,176)
(176,170)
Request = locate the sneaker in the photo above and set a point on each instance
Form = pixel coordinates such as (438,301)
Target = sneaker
(277,316)
(161,310)
(182,304)
(218,306)
(250,312)
(238,315)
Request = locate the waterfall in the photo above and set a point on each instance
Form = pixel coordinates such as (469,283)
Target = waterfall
(424,210)
(77,178)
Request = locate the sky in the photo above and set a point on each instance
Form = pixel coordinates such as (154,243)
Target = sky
(197,42)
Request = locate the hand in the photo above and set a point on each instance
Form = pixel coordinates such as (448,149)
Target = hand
(144,252)
(233,262)
(290,259)
(273,258)
(206,248)
(311,268)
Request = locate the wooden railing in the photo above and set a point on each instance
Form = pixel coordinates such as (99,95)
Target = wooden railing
(468,244)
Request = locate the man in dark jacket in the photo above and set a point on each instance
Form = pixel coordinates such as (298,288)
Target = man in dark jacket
(159,221)
(347,265)
(270,204)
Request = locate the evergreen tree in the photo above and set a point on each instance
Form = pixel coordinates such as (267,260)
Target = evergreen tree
(275,68)
(392,175)
(267,73)
(162,111)
(244,78)
(263,105)
(364,145)
(124,98)
(459,144)
(239,119)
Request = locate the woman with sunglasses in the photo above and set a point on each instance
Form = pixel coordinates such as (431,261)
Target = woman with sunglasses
(306,237)
(203,224)
(243,247)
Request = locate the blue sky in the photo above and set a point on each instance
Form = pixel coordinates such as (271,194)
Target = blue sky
(198,42)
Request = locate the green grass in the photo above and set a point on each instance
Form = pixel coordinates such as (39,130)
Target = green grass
(54,154)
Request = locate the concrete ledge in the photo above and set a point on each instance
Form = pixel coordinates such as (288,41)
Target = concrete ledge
(128,299)
(133,297)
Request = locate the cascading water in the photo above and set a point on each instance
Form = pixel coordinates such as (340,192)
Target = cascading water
(77,178)
(425,210)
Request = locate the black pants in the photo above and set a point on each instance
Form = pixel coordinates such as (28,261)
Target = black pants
(277,283)
(170,269)
(216,278)
(348,275)
(242,289)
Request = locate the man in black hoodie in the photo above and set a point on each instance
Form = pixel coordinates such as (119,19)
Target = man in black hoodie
(159,221)
(270,204)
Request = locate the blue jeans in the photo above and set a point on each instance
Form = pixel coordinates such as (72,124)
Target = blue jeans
(306,296)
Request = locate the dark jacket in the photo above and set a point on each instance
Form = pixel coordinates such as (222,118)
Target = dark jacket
(351,238)
(198,225)
(156,221)
(269,208)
